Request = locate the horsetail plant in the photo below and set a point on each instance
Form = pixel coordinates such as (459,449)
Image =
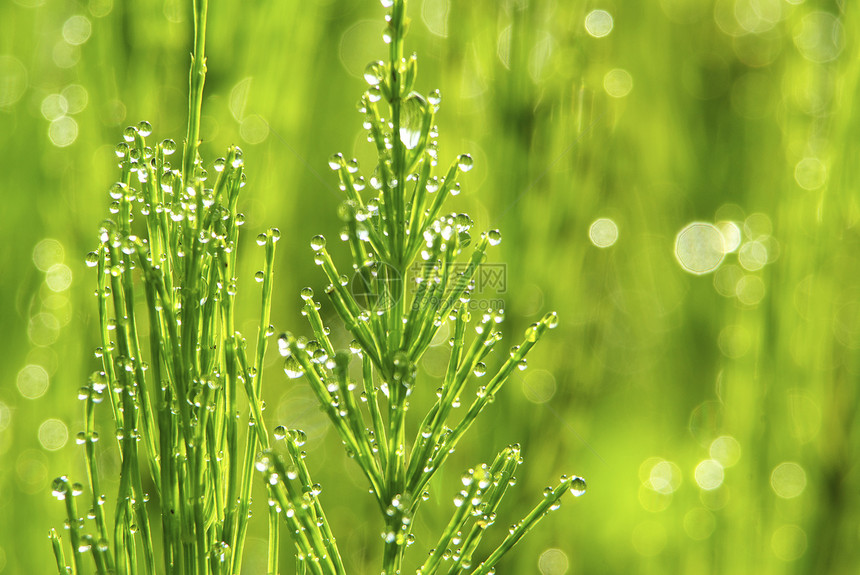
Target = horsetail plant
(396,222)
(178,416)
(172,241)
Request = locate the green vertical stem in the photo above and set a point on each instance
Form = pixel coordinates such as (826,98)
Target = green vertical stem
(274,540)
(196,80)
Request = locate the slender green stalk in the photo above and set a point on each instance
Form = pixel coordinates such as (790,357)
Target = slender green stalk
(196,79)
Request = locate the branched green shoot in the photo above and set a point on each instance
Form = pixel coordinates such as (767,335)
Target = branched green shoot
(393,227)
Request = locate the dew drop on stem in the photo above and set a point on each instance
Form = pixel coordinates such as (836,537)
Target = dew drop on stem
(128,134)
(374,72)
(317,243)
(412,121)
(465,162)
(577,487)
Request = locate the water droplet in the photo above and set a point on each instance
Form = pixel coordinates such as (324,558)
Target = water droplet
(238,158)
(374,73)
(168,147)
(261,239)
(465,162)
(412,121)
(280,432)
(128,134)
(435,97)
(336,162)
(144,128)
(298,437)
(60,487)
(259,276)
(317,243)
(577,486)
(494,237)
(293,368)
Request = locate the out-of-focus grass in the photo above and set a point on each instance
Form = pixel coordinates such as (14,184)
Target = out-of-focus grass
(738,108)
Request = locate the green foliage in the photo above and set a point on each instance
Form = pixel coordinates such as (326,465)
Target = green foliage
(174,368)
(386,232)
(182,405)
(740,111)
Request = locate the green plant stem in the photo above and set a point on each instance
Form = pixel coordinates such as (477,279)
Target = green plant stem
(549,502)
(196,80)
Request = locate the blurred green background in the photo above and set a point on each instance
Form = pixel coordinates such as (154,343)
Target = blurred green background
(714,415)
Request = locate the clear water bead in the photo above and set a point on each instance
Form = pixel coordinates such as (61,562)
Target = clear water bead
(435,97)
(494,237)
(293,368)
(373,73)
(298,437)
(577,487)
(128,134)
(317,243)
(465,162)
(238,158)
(335,162)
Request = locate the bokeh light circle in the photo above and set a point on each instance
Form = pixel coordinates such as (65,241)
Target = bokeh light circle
(603,232)
(599,23)
(789,543)
(788,480)
(709,474)
(553,562)
(53,434)
(32,381)
(618,82)
(700,248)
